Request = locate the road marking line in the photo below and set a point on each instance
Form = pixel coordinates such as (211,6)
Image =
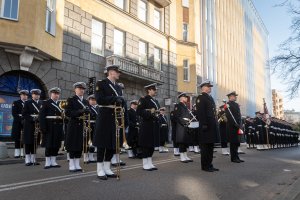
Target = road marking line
(56,179)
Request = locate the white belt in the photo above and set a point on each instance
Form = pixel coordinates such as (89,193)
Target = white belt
(92,121)
(164,125)
(34,115)
(20,115)
(108,106)
(53,117)
(259,125)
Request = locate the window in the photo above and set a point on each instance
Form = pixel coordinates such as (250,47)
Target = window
(9,9)
(142,10)
(185,3)
(185,32)
(157,19)
(97,40)
(143,58)
(118,42)
(157,58)
(120,4)
(186,70)
(51,16)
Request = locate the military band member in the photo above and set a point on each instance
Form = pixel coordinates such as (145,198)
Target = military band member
(89,156)
(108,95)
(164,131)
(206,114)
(233,125)
(30,114)
(133,131)
(17,126)
(222,127)
(75,109)
(260,130)
(51,125)
(182,116)
(173,125)
(148,110)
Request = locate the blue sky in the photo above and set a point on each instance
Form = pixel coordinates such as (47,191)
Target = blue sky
(277,21)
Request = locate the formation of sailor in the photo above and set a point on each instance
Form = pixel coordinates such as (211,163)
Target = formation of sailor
(133,130)
(31,127)
(182,119)
(17,126)
(206,114)
(90,150)
(76,108)
(108,95)
(233,126)
(148,111)
(51,127)
(164,131)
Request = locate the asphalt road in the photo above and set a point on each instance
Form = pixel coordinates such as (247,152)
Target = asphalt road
(273,174)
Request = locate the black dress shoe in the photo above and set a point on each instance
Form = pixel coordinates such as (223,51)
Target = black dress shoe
(208,170)
(47,167)
(111,175)
(241,160)
(176,154)
(154,168)
(215,169)
(148,169)
(73,170)
(235,161)
(93,161)
(55,166)
(185,161)
(28,164)
(78,170)
(17,156)
(190,160)
(122,163)
(36,163)
(102,177)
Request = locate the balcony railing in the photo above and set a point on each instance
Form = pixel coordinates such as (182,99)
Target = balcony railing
(134,69)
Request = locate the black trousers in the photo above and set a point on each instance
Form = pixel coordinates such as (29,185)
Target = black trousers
(147,152)
(175,145)
(182,148)
(224,144)
(104,155)
(207,151)
(29,149)
(75,154)
(18,145)
(234,151)
(51,152)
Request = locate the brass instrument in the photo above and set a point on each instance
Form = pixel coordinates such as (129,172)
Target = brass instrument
(36,134)
(222,118)
(120,124)
(154,111)
(86,118)
(62,105)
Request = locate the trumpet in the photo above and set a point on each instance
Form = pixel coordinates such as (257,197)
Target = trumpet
(222,118)
(62,105)
(154,111)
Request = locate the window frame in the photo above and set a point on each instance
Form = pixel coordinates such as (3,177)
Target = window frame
(185,3)
(188,70)
(145,53)
(2,11)
(185,31)
(103,37)
(123,45)
(124,4)
(52,14)
(160,19)
(138,10)
(160,58)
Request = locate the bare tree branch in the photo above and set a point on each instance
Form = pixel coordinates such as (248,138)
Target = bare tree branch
(286,64)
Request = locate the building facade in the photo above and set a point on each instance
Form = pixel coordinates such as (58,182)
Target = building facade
(235,53)
(277,100)
(292,116)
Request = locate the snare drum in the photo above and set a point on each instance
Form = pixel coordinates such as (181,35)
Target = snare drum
(194,125)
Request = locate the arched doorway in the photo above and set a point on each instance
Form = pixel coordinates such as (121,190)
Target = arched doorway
(10,84)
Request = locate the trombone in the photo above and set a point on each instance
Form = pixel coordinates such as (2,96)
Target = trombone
(86,141)
(36,134)
(120,124)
